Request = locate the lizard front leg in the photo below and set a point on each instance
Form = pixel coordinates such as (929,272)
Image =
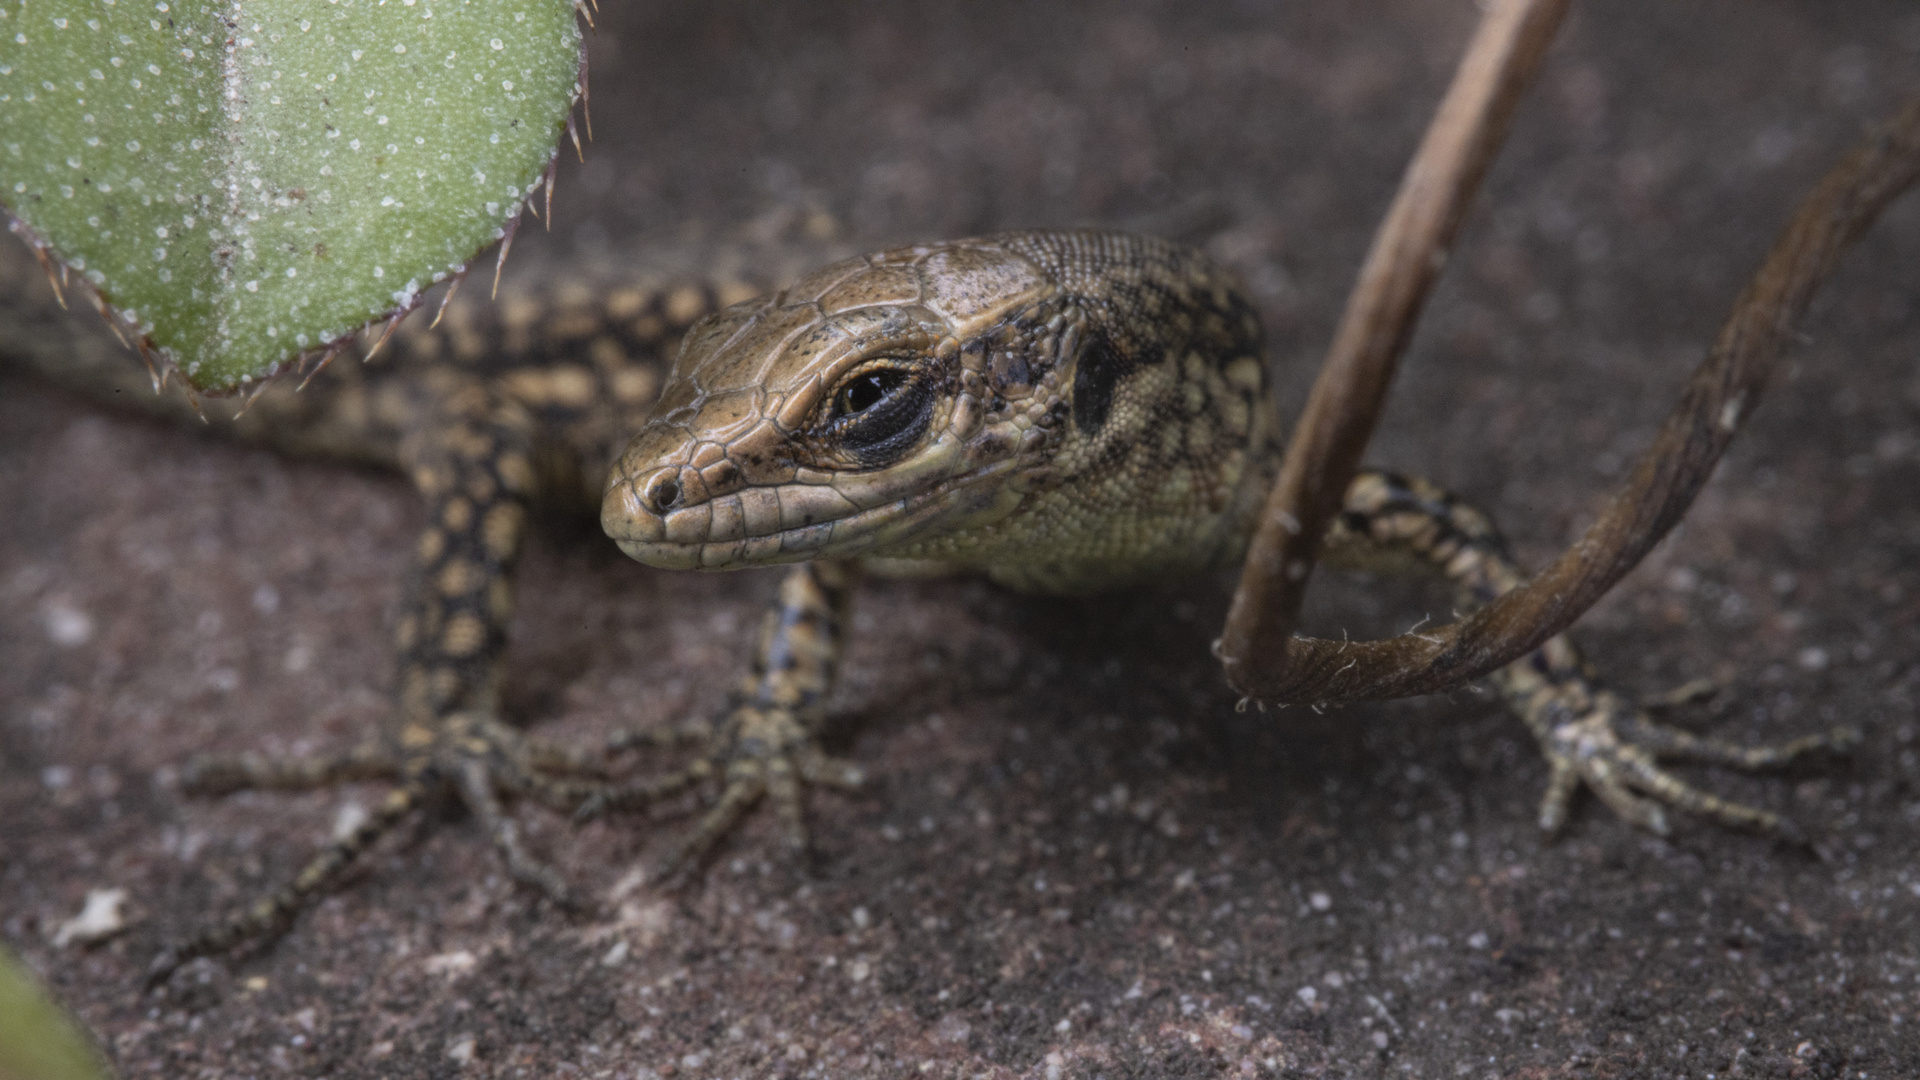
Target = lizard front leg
(1592,737)
(766,744)
(469,455)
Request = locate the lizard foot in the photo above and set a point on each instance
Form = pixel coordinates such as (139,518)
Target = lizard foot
(767,745)
(473,756)
(1600,740)
(1591,737)
(759,751)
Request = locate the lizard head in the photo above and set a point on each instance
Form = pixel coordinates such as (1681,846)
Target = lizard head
(844,413)
(931,402)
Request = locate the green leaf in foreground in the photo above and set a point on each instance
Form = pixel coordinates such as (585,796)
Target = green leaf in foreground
(37,1040)
(243,181)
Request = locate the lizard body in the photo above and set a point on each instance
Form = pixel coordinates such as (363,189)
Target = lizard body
(1064,411)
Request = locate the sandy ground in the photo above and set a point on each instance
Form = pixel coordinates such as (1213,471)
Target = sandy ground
(1076,859)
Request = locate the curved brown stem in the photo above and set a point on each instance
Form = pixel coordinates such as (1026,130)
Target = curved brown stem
(1718,400)
(1407,254)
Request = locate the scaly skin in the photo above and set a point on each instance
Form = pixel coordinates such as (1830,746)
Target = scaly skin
(1063,411)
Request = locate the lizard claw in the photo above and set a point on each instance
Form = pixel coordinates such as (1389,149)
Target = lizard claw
(480,758)
(768,753)
(1615,749)
(641,793)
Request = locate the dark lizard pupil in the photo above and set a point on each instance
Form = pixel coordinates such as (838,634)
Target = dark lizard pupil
(868,391)
(879,415)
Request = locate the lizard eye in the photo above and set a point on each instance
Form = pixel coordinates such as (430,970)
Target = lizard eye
(866,391)
(880,414)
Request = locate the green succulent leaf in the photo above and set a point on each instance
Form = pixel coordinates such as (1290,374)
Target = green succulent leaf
(37,1040)
(247,180)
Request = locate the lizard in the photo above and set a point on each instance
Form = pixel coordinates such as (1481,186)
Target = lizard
(1062,411)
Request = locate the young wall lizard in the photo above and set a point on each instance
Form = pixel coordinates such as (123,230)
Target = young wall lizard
(1063,411)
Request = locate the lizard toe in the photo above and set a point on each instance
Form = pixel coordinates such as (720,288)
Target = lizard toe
(1615,750)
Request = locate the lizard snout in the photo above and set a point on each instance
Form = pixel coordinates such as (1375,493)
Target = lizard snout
(637,505)
(658,493)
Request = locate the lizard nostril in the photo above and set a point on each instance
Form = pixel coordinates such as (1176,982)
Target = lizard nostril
(663,493)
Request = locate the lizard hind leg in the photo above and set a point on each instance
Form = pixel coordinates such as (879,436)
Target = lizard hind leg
(1592,737)
(766,745)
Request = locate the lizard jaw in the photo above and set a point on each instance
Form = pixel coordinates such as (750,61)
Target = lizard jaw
(817,515)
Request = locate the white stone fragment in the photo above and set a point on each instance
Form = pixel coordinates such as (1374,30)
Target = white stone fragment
(100,918)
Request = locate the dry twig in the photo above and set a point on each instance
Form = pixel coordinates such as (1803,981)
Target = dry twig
(1722,394)
(1406,258)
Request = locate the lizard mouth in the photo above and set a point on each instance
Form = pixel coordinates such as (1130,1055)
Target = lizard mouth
(654,521)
